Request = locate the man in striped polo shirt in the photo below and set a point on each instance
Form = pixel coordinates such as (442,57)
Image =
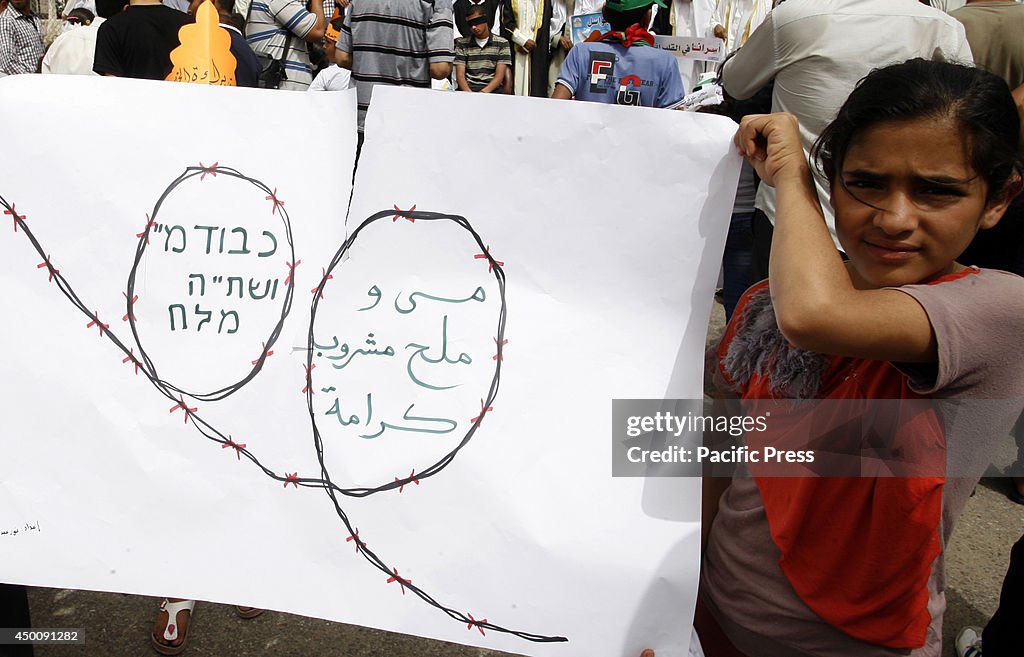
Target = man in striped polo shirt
(482,59)
(275,24)
(395,42)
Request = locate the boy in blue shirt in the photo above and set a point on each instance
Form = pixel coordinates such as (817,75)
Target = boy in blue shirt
(623,67)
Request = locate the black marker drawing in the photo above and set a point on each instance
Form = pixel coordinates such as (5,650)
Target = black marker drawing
(234,240)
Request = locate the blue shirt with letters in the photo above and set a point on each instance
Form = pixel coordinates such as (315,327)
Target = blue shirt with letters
(609,72)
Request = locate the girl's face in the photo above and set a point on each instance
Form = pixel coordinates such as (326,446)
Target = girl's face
(908,202)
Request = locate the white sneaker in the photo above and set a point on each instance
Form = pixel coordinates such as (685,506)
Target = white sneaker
(968,642)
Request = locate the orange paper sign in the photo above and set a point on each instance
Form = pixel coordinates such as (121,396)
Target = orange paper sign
(204,56)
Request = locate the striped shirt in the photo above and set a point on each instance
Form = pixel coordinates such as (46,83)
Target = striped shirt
(481,62)
(272,24)
(394,42)
(21,46)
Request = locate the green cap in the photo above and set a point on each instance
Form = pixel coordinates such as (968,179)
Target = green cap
(626,5)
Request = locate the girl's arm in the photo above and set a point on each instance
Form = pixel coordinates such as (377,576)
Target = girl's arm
(816,305)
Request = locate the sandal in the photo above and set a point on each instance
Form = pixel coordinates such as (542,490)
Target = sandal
(164,642)
(247,612)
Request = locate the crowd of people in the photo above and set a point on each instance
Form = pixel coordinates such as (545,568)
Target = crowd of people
(874,252)
(484,46)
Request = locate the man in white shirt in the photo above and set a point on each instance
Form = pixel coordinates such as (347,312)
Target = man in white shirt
(334,77)
(817,50)
(72,52)
(947,5)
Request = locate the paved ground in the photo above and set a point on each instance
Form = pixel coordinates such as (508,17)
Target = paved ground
(118,625)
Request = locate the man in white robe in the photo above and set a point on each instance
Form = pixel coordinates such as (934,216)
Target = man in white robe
(687,18)
(561,38)
(526,23)
(735,20)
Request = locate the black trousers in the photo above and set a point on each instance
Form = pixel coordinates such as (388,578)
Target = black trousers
(1002,636)
(14,613)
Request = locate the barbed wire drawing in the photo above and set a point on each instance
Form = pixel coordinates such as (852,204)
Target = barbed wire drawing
(187,400)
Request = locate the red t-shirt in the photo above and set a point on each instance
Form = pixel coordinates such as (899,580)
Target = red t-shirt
(836,535)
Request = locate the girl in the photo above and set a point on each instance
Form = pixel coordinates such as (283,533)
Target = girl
(920,157)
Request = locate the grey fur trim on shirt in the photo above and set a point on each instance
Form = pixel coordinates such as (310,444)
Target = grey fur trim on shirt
(758,347)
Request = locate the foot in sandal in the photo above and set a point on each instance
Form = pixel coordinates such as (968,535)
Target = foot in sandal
(170,631)
(247,612)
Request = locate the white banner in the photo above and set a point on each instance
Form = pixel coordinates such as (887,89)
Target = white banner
(217,388)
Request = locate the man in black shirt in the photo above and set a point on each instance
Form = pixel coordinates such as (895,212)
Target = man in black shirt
(137,42)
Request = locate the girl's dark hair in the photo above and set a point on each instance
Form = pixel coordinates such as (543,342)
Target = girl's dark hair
(977,100)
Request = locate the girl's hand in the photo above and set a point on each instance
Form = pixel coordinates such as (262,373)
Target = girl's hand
(771,143)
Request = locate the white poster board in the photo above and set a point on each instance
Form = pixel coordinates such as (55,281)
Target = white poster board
(469,477)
